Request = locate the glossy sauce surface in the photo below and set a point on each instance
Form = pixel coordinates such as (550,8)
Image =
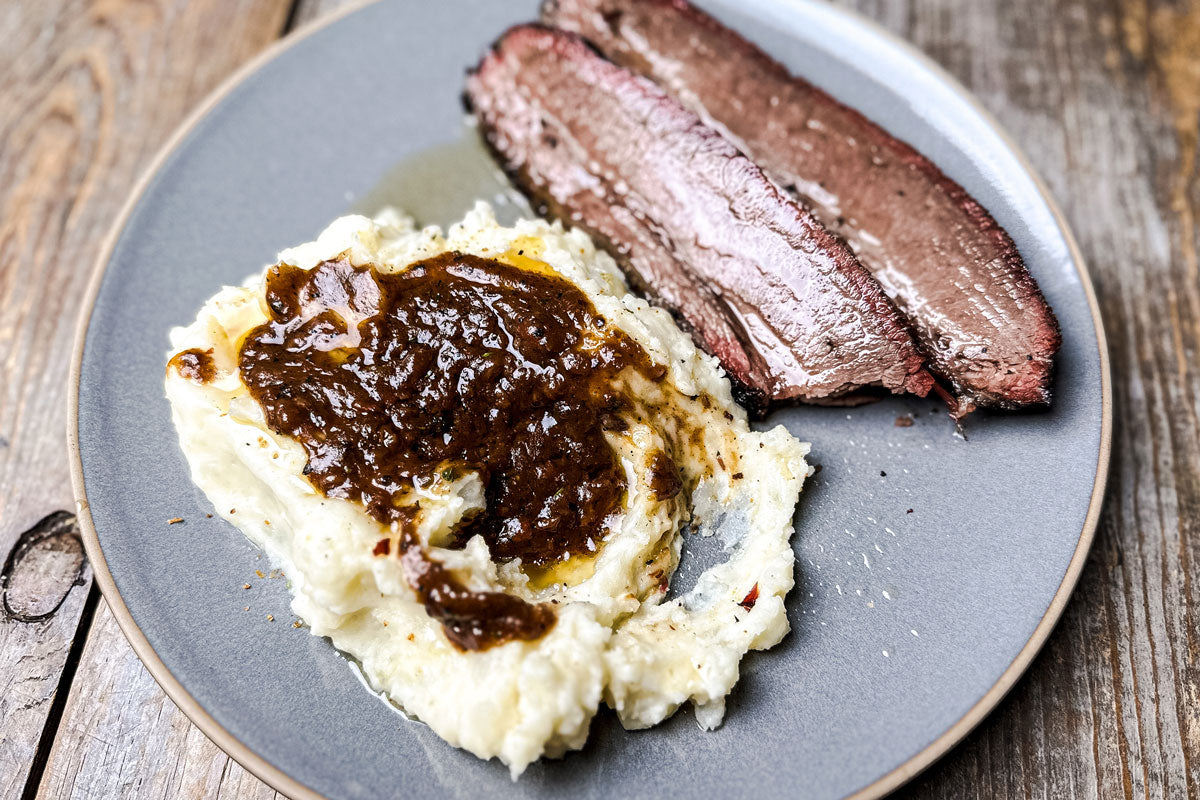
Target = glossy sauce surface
(194,364)
(471,620)
(458,363)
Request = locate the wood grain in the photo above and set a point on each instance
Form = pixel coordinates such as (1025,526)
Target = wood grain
(1105,99)
(90,90)
(122,737)
(1104,96)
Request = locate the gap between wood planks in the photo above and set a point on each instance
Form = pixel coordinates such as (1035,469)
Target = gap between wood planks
(45,565)
(1094,90)
(43,568)
(54,716)
(292,19)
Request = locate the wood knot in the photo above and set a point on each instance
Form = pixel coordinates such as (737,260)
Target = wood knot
(47,561)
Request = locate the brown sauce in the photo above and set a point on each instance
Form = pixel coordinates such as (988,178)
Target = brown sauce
(471,620)
(391,380)
(664,480)
(194,364)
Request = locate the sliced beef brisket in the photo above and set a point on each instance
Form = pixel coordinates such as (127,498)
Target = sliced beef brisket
(938,254)
(783,304)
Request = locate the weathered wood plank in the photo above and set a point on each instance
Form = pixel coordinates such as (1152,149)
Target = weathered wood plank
(1105,98)
(40,612)
(122,737)
(90,90)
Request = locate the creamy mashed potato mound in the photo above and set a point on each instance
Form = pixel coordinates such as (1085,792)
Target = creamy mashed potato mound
(616,638)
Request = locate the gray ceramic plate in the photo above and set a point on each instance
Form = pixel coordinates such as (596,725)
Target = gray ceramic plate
(906,627)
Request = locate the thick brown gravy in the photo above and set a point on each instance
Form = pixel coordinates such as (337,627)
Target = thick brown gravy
(471,620)
(194,364)
(396,380)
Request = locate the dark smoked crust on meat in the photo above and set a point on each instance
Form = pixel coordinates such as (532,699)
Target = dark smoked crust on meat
(881,352)
(1024,380)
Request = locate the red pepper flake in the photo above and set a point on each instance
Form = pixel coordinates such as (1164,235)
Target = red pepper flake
(174,520)
(909,511)
(904,421)
(737,476)
(750,599)
(383,547)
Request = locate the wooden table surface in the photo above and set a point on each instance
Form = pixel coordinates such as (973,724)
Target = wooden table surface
(1104,96)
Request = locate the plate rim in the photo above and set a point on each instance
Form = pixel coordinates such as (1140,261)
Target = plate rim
(280,781)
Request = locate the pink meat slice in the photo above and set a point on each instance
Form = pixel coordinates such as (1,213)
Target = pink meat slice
(783,304)
(952,270)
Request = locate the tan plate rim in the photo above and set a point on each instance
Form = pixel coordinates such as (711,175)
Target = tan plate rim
(290,787)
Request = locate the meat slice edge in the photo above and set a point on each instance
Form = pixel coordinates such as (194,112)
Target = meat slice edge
(937,252)
(765,288)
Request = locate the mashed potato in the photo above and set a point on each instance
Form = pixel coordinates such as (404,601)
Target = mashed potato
(616,638)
